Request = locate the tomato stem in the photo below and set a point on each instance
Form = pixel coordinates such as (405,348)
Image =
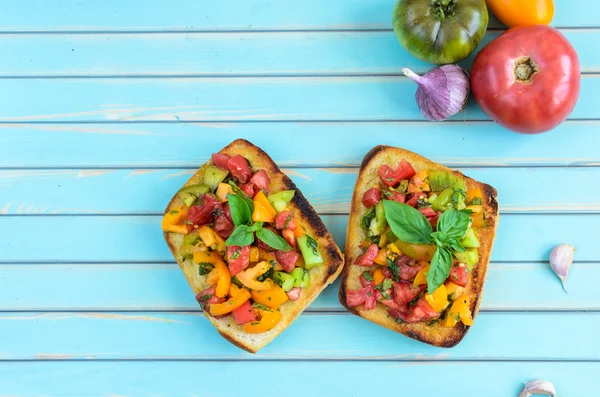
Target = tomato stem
(524,69)
(444,8)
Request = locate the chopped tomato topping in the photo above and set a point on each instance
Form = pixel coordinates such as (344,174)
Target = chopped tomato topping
(261,180)
(421,312)
(408,267)
(285,220)
(202,213)
(248,188)
(397,196)
(392,177)
(238,258)
(368,257)
(208,297)
(221,160)
(406,292)
(239,168)
(244,314)
(371,197)
(364,296)
(290,237)
(294,293)
(459,275)
(427,211)
(413,199)
(224,224)
(287,260)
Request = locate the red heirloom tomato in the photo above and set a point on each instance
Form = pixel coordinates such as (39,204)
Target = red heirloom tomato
(527,79)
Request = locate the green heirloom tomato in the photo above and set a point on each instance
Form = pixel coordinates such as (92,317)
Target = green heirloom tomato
(440,31)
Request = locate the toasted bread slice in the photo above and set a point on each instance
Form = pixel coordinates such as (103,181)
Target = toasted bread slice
(435,334)
(305,215)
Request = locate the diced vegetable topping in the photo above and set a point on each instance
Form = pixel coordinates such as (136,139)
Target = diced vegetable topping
(420,244)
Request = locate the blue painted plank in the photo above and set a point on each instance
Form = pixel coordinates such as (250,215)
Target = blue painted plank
(186,336)
(217,54)
(521,237)
(175,144)
(148,286)
(329,190)
(232,99)
(179,379)
(215,15)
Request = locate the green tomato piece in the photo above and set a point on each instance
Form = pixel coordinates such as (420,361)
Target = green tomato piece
(214,175)
(310,251)
(470,240)
(470,257)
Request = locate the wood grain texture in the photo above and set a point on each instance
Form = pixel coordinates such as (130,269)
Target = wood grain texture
(161,286)
(227,54)
(521,237)
(175,145)
(232,99)
(168,379)
(329,190)
(190,336)
(219,15)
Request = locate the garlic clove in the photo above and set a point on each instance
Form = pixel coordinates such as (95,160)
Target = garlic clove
(561,259)
(442,92)
(537,387)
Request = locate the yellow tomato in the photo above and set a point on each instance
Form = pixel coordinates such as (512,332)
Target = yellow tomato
(523,12)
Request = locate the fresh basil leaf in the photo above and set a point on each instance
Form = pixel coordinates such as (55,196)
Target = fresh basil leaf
(455,245)
(476,201)
(395,269)
(454,223)
(256,227)
(365,222)
(458,196)
(441,263)
(387,283)
(205,268)
(439,238)
(272,240)
(367,276)
(236,189)
(242,236)
(408,224)
(240,213)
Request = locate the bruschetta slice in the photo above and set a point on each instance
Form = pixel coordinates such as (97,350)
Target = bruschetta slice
(252,248)
(418,246)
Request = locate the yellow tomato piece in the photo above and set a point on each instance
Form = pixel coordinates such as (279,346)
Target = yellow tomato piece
(220,243)
(460,310)
(381,258)
(206,257)
(472,193)
(248,277)
(261,213)
(478,220)
(438,300)
(224,279)
(268,320)
(421,277)
(420,252)
(394,248)
(233,290)
(208,236)
(172,221)
(382,240)
(254,254)
(261,198)
(271,298)
(299,230)
(222,191)
(475,208)
(418,184)
(378,277)
(219,309)
(213,277)
(264,255)
(451,288)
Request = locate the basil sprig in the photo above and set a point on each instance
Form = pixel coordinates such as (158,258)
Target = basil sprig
(410,226)
(243,234)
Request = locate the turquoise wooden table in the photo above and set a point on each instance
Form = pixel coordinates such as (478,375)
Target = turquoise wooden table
(107,107)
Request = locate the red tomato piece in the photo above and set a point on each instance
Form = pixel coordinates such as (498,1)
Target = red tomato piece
(248,188)
(413,199)
(239,168)
(224,224)
(366,283)
(287,260)
(368,257)
(527,79)
(371,197)
(208,297)
(290,237)
(294,294)
(244,314)
(364,296)
(421,312)
(406,292)
(238,258)
(427,211)
(408,268)
(398,197)
(392,177)
(202,213)
(285,220)
(459,275)
(221,160)
(261,180)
